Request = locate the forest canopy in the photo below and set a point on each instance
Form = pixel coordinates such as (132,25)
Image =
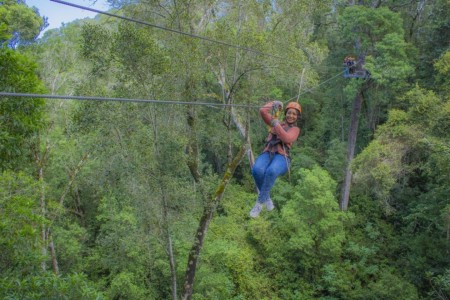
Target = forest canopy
(133,180)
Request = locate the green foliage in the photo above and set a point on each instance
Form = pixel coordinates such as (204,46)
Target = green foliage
(213,285)
(117,230)
(134,193)
(407,157)
(230,256)
(312,219)
(391,286)
(20,118)
(96,47)
(336,158)
(5,33)
(422,106)
(369,246)
(379,167)
(381,164)
(18,72)
(127,285)
(19,23)
(58,55)
(440,285)
(49,286)
(70,241)
(121,251)
(378,36)
(139,54)
(428,28)
(20,224)
(368,25)
(390,60)
(21,247)
(442,67)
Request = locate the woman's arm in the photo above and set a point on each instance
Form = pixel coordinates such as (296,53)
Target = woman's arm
(265,112)
(289,136)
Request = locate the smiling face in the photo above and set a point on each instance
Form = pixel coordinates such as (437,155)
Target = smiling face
(291,116)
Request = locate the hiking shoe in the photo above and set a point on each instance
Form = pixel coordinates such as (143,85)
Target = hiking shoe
(256,210)
(269,205)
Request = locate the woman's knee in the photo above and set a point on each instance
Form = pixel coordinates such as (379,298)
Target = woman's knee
(258,171)
(271,172)
(274,172)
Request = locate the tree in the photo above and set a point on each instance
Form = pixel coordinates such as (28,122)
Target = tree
(20,224)
(378,37)
(19,24)
(21,118)
(408,164)
(156,173)
(61,66)
(426,27)
(21,246)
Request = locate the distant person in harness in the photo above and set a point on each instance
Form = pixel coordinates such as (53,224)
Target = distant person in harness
(274,161)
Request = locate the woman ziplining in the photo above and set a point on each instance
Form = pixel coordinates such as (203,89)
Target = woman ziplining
(274,161)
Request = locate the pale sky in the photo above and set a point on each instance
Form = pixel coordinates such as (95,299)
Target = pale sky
(58,13)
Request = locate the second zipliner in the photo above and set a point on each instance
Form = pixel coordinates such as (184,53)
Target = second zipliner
(274,160)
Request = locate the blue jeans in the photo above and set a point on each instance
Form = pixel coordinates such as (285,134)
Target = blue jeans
(265,171)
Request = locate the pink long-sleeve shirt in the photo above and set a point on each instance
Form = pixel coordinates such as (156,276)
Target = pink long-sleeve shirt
(285,133)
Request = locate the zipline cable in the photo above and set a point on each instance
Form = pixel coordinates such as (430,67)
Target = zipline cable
(313,88)
(210,104)
(300,85)
(169,29)
(84,98)
(187,34)
(323,82)
(181,32)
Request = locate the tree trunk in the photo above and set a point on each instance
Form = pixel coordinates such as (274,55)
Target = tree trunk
(173,270)
(165,223)
(353,132)
(192,147)
(43,212)
(356,109)
(40,160)
(243,130)
(53,254)
(47,240)
(202,228)
(72,175)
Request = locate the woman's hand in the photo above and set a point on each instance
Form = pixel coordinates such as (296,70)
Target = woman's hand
(274,122)
(277,105)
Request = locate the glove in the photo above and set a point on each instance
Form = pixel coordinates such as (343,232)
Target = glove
(277,105)
(274,122)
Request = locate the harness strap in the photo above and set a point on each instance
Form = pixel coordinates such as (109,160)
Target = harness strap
(275,141)
(288,165)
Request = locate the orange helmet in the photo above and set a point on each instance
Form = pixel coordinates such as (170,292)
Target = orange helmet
(294,105)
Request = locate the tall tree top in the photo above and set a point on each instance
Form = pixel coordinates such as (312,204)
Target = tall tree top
(19,24)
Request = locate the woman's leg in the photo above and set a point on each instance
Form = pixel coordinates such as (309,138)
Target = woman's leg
(259,168)
(278,166)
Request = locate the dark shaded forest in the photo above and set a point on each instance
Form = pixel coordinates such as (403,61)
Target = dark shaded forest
(103,199)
